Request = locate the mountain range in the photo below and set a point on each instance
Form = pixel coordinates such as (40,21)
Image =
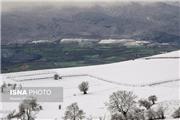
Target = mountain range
(153,21)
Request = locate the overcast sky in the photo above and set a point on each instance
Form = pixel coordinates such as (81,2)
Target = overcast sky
(85,0)
(8,5)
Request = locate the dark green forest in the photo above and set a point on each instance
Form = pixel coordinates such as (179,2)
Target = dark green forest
(22,57)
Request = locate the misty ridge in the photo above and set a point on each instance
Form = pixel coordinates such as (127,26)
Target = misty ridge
(153,21)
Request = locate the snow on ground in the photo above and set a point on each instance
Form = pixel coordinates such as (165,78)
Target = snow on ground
(135,72)
(168,106)
(126,42)
(77,40)
(133,75)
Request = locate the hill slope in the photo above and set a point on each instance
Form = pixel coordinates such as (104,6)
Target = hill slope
(103,80)
(156,21)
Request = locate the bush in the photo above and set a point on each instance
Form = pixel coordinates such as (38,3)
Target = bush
(150,114)
(155,115)
(83,87)
(176,113)
(56,77)
(145,104)
(160,113)
(136,114)
(117,116)
(3,86)
(11,115)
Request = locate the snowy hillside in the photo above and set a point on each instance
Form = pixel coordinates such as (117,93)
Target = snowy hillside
(156,75)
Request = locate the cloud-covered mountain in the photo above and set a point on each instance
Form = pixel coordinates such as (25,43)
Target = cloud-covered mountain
(156,21)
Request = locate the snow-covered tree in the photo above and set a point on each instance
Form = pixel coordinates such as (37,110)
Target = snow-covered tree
(121,102)
(74,113)
(83,87)
(27,110)
(152,98)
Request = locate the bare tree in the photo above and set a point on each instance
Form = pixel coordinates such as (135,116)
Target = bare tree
(27,110)
(83,87)
(152,98)
(121,102)
(74,113)
(176,113)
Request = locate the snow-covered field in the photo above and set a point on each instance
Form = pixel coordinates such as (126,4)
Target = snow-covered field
(157,75)
(125,42)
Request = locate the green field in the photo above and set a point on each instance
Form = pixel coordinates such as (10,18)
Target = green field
(54,55)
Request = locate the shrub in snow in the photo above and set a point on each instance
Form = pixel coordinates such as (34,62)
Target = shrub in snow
(14,86)
(121,102)
(136,114)
(160,113)
(145,103)
(150,114)
(57,77)
(3,86)
(83,87)
(101,118)
(74,113)
(9,84)
(11,115)
(117,116)
(176,113)
(152,98)
(89,118)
